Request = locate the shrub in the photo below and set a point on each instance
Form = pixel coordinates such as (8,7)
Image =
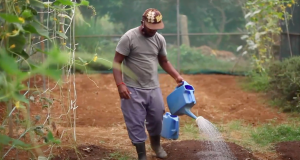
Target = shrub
(285,83)
(258,82)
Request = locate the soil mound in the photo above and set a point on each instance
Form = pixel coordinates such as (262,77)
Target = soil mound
(288,150)
(193,150)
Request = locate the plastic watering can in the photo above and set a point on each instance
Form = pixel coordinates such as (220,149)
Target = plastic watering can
(181,100)
(170,126)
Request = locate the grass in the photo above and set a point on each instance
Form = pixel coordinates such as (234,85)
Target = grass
(261,138)
(189,130)
(269,134)
(119,156)
(255,82)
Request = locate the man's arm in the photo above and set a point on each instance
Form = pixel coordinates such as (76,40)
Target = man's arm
(118,59)
(117,72)
(168,67)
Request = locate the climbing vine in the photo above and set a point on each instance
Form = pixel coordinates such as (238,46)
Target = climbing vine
(23,34)
(264,19)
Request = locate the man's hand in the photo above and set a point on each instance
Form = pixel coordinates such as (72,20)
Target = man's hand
(124,92)
(179,81)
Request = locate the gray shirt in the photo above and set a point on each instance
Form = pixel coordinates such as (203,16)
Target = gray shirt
(141,58)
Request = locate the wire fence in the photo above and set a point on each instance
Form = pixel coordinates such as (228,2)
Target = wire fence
(202,36)
(196,43)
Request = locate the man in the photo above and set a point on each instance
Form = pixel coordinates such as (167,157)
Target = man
(140,49)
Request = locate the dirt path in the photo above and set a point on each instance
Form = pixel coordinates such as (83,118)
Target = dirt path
(100,121)
(219,99)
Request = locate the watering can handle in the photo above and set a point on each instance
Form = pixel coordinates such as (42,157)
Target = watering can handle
(192,97)
(176,126)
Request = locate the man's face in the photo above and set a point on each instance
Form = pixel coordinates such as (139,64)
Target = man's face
(149,32)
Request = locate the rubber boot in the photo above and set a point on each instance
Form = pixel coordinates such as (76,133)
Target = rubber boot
(156,147)
(141,150)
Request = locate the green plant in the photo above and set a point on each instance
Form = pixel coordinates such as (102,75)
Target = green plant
(19,25)
(263,27)
(258,82)
(285,83)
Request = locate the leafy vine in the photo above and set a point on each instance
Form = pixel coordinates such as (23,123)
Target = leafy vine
(263,27)
(20,22)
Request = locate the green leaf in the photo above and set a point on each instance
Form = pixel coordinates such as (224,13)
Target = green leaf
(36,3)
(62,35)
(57,56)
(51,138)
(27,13)
(33,11)
(63,2)
(4,139)
(10,18)
(20,97)
(55,74)
(8,64)
(36,28)
(19,143)
(19,42)
(84,2)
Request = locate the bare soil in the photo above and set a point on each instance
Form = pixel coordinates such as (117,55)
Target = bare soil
(288,150)
(101,132)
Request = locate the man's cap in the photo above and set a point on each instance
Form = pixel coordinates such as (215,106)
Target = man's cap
(153,19)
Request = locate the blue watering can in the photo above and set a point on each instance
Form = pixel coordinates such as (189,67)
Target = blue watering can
(181,100)
(170,128)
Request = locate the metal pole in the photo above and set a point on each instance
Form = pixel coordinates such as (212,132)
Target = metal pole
(178,38)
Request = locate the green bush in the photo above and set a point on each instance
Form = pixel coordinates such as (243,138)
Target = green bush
(258,82)
(285,83)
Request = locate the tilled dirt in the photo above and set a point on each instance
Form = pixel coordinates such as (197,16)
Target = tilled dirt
(100,124)
(178,150)
(199,150)
(288,150)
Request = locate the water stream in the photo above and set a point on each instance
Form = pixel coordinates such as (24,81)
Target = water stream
(215,146)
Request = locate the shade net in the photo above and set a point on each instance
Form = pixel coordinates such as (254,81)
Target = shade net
(209,33)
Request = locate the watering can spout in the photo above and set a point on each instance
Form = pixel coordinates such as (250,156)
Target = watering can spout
(189,113)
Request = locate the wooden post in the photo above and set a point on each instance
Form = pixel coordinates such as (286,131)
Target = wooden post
(184,30)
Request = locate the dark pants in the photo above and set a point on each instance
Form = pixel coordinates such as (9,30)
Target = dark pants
(145,104)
